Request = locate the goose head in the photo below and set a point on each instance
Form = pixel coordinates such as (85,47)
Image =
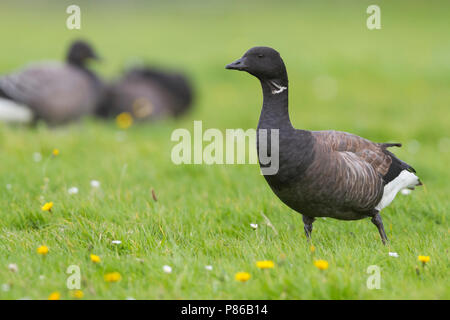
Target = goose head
(80,52)
(262,62)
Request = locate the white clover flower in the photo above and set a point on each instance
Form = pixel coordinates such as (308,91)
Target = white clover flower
(116,242)
(167,269)
(209,268)
(393,254)
(254,226)
(13,267)
(95,184)
(73,190)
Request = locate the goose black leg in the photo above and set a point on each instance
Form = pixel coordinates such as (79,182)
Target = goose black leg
(308,221)
(376,220)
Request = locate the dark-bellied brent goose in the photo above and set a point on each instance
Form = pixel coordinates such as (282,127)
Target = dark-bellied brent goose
(147,93)
(56,92)
(323,173)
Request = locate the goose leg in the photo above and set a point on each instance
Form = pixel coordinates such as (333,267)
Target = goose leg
(308,221)
(376,220)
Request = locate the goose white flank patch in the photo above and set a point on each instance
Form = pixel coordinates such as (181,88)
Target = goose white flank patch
(323,173)
(14,113)
(405,179)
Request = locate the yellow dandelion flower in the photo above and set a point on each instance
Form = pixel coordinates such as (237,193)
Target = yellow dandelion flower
(124,120)
(54,296)
(55,152)
(43,250)
(312,249)
(95,258)
(242,276)
(267,264)
(77,294)
(112,277)
(47,207)
(321,264)
(424,259)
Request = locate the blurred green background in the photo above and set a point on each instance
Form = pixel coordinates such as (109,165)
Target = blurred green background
(388,85)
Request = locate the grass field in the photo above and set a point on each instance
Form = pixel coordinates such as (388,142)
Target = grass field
(392,85)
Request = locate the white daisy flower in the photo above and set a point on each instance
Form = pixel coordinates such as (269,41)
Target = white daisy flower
(254,226)
(393,254)
(167,269)
(209,268)
(13,267)
(95,184)
(73,190)
(116,242)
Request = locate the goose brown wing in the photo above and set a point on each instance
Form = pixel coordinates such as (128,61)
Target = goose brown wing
(354,168)
(373,153)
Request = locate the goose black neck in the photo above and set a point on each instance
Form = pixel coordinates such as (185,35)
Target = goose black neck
(275,111)
(76,62)
(81,65)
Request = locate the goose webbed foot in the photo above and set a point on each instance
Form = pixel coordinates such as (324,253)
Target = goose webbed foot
(376,220)
(308,221)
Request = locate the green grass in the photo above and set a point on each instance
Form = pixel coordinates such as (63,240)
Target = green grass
(392,86)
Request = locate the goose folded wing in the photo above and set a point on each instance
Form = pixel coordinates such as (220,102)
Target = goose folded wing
(355,168)
(35,83)
(372,153)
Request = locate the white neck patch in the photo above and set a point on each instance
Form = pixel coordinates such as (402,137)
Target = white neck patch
(278,88)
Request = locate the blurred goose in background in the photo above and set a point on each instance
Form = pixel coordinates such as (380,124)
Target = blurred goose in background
(147,94)
(54,92)
(323,173)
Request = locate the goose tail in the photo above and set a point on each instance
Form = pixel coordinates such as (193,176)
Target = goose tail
(397,166)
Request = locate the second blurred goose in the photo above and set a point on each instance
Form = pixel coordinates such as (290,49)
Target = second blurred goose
(56,92)
(148,94)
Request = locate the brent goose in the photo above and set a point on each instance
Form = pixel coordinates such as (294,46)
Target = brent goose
(147,94)
(323,173)
(56,92)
